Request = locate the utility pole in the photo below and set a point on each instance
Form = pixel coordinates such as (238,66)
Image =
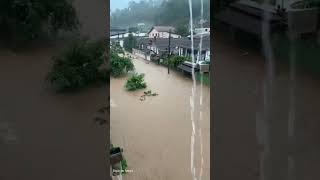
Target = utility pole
(118,39)
(169,51)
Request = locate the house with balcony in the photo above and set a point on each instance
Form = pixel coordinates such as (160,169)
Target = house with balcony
(156,48)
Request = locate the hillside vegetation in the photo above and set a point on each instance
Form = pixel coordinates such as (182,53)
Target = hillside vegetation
(170,12)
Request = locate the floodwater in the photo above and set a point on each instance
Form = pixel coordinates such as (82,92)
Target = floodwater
(237,99)
(156,133)
(45,135)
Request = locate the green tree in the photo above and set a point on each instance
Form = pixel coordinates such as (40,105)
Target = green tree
(119,65)
(129,43)
(133,29)
(25,20)
(166,12)
(135,82)
(182,30)
(79,65)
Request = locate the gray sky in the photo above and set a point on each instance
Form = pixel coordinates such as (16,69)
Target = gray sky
(120,4)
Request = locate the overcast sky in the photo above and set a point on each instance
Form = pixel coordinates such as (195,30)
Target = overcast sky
(120,4)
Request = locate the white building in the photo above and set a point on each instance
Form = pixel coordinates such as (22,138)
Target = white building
(124,35)
(201,30)
(162,32)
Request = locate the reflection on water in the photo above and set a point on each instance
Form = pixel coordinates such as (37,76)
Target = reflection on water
(155,133)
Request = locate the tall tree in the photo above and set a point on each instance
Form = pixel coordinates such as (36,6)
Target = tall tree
(24,20)
(129,43)
(166,12)
(182,30)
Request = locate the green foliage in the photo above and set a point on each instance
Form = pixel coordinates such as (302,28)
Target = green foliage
(155,12)
(25,20)
(129,43)
(175,61)
(147,93)
(133,29)
(78,65)
(135,82)
(182,30)
(123,165)
(116,48)
(136,12)
(120,65)
(181,15)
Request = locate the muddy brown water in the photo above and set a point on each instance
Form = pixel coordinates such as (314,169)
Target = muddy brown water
(237,97)
(45,135)
(156,133)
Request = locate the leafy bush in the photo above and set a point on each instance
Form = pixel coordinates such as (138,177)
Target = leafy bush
(78,65)
(120,65)
(116,48)
(182,30)
(25,20)
(135,82)
(175,61)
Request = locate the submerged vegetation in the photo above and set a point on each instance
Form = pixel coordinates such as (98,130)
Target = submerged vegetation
(174,61)
(135,82)
(119,65)
(116,49)
(79,65)
(147,93)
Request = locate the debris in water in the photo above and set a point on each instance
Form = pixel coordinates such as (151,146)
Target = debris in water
(142,98)
(147,93)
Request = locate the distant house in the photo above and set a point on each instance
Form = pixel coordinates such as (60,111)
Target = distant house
(119,37)
(204,29)
(179,46)
(124,35)
(162,32)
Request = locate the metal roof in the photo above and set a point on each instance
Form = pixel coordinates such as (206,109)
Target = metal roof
(163,29)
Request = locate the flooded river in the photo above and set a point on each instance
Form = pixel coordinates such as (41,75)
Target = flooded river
(45,135)
(239,72)
(156,133)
